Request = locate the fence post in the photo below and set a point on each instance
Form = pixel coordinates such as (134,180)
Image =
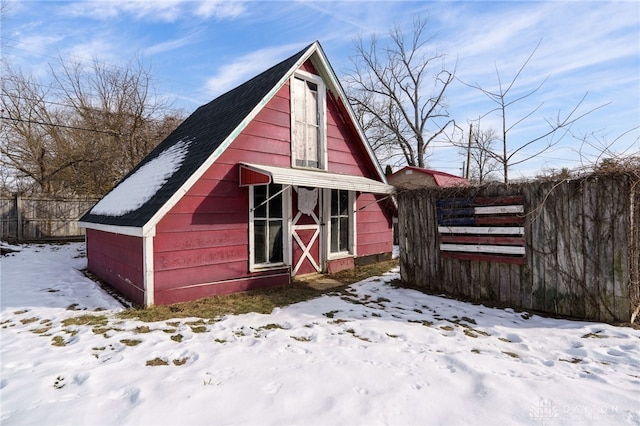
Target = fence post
(18,206)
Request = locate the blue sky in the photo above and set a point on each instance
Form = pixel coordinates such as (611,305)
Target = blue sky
(200,49)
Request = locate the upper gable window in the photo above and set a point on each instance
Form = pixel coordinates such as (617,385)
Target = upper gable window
(307,121)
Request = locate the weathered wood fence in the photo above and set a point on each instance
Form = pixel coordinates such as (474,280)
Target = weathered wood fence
(581,247)
(40,218)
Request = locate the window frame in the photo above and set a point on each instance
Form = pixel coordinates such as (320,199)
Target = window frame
(351,202)
(322,118)
(261,266)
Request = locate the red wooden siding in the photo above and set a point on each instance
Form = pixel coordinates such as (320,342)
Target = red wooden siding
(308,67)
(118,260)
(344,150)
(201,246)
(373,224)
(275,279)
(337,265)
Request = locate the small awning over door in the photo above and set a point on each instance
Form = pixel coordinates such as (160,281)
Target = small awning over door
(255,174)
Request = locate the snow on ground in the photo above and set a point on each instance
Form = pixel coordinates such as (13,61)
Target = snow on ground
(371,355)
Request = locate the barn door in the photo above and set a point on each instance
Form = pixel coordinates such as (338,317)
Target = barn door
(306,235)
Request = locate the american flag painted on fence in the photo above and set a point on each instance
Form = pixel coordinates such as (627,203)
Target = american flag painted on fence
(482,228)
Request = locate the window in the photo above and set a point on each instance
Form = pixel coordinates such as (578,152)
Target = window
(340,226)
(307,94)
(267,225)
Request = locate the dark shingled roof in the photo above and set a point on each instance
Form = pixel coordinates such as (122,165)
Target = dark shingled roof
(206,128)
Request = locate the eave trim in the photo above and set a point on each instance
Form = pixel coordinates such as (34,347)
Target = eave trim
(319,179)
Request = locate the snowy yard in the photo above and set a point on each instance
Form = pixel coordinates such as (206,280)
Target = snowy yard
(373,355)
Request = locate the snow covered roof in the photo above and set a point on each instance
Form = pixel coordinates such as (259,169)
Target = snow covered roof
(152,183)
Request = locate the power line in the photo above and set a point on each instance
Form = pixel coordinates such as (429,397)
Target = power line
(42,123)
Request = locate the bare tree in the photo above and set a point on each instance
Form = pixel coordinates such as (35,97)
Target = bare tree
(597,151)
(398,93)
(481,164)
(117,100)
(84,129)
(31,144)
(502,97)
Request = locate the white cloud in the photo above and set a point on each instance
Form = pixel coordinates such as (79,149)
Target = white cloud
(246,66)
(169,45)
(95,49)
(220,9)
(157,10)
(580,51)
(38,44)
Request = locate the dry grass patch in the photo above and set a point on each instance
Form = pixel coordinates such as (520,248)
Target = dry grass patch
(270,326)
(470,334)
(426,323)
(351,276)
(596,335)
(156,361)
(87,319)
(572,360)
(262,301)
(58,341)
(197,326)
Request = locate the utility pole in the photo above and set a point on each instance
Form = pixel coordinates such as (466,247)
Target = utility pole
(466,175)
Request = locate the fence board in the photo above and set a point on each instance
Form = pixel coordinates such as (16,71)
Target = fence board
(633,216)
(592,215)
(573,266)
(40,218)
(503,272)
(536,241)
(563,236)
(604,250)
(516,287)
(580,238)
(484,280)
(620,228)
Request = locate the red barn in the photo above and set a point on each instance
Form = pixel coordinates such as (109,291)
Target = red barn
(273,179)
(410,177)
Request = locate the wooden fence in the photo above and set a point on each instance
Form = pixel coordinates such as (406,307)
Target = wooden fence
(40,218)
(575,252)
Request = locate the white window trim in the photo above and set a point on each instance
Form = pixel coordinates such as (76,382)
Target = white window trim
(322,121)
(286,241)
(351,252)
